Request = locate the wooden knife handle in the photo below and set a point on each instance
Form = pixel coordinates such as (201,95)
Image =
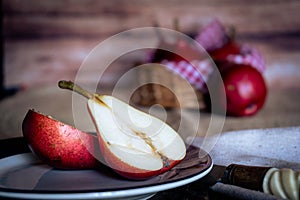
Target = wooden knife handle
(250,177)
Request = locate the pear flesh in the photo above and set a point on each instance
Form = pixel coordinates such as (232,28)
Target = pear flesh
(137,140)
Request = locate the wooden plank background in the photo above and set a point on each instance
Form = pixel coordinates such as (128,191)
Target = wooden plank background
(45,41)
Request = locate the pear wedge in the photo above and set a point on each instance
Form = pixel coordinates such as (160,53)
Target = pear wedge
(58,144)
(133,143)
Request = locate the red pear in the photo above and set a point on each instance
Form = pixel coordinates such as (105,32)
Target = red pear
(133,143)
(59,145)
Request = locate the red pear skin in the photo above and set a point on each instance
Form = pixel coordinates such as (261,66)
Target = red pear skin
(58,144)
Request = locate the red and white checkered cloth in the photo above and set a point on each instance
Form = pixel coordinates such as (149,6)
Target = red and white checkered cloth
(213,36)
(249,56)
(195,72)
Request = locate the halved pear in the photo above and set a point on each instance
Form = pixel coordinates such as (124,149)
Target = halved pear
(133,143)
(58,144)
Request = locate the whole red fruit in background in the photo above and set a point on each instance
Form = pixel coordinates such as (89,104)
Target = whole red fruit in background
(221,54)
(245,90)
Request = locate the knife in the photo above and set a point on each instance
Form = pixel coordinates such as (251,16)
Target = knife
(249,182)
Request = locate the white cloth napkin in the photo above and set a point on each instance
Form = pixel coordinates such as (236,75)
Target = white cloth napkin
(273,147)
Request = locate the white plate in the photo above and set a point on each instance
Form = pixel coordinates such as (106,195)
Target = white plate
(24,176)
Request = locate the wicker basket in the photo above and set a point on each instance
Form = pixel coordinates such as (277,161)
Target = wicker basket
(172,91)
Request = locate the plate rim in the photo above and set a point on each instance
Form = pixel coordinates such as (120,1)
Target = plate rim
(93,193)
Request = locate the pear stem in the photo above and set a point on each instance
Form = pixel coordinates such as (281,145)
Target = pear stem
(73,87)
(158,33)
(176,25)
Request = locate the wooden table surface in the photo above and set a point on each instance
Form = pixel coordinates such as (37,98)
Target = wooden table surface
(47,41)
